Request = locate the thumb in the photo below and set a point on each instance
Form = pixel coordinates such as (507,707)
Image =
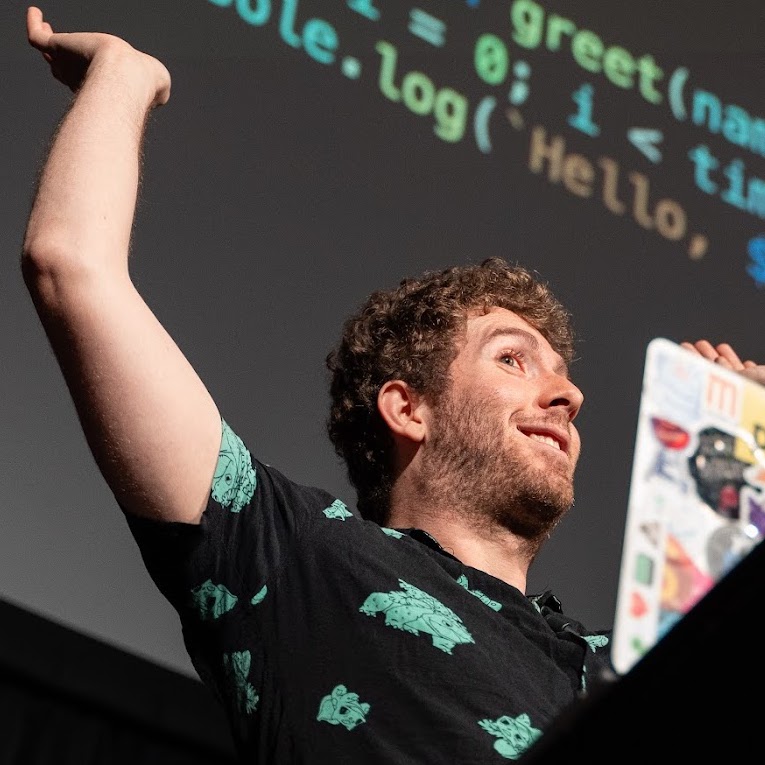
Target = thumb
(38,31)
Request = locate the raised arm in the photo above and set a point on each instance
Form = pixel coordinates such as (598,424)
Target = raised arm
(151,425)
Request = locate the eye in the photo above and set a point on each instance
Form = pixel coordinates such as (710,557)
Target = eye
(512,359)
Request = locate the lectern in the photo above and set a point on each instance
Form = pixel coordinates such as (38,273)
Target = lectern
(698,696)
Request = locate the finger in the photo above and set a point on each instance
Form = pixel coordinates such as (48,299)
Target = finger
(34,15)
(688,346)
(726,352)
(756,373)
(38,32)
(706,349)
(34,19)
(749,364)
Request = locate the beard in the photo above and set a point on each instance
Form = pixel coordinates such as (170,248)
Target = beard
(473,467)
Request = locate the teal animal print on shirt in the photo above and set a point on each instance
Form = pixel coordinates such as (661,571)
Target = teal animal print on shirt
(342,708)
(236,667)
(337,510)
(596,641)
(212,600)
(259,595)
(515,734)
(391,532)
(235,480)
(483,598)
(414,611)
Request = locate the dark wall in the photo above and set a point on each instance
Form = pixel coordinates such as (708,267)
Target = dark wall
(279,190)
(69,698)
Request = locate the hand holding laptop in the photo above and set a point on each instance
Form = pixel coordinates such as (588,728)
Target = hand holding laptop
(697,487)
(724,355)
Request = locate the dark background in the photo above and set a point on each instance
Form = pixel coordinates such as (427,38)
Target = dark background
(278,192)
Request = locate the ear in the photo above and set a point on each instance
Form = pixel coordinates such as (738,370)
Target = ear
(403,410)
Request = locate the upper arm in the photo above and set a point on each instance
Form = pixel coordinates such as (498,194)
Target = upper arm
(153,428)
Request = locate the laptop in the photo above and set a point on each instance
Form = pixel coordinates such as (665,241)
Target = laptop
(697,493)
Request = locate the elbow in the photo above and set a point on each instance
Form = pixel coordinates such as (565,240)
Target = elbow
(40,266)
(33,266)
(51,273)
(44,252)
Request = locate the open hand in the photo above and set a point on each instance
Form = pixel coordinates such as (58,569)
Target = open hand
(70,54)
(724,355)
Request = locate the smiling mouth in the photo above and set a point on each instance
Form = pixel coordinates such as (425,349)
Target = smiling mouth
(548,436)
(549,440)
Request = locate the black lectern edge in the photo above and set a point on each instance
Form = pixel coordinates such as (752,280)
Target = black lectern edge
(693,691)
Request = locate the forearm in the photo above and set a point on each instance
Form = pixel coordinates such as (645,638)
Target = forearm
(83,210)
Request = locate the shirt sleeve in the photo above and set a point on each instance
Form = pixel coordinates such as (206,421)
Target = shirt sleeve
(214,571)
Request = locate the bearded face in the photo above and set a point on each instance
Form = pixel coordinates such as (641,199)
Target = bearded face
(501,446)
(480,461)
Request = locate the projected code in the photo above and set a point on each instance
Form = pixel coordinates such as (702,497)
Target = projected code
(488,118)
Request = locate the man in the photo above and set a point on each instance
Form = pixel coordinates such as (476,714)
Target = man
(398,634)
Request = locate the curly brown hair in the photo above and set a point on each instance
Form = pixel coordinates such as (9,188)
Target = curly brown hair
(410,333)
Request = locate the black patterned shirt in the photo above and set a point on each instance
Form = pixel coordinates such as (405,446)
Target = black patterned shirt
(329,639)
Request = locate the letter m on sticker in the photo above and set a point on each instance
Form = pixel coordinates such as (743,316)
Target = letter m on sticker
(722,397)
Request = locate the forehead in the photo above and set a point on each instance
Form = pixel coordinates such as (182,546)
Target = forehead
(480,325)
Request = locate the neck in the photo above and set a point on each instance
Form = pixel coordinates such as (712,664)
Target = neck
(475,542)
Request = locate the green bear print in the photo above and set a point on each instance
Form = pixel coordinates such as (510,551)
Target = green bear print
(259,595)
(342,708)
(515,734)
(414,611)
(337,510)
(596,641)
(235,480)
(485,599)
(236,667)
(212,600)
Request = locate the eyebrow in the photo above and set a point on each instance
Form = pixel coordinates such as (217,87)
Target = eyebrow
(561,367)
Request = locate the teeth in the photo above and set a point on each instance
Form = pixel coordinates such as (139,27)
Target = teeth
(544,439)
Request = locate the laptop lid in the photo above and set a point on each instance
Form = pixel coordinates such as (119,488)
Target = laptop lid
(697,492)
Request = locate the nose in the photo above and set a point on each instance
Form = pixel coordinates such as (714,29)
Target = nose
(561,392)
